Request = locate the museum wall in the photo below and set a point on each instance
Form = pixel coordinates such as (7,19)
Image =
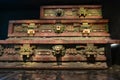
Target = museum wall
(29,9)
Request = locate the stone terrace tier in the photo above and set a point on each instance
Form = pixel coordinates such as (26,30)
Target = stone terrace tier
(71,12)
(57,28)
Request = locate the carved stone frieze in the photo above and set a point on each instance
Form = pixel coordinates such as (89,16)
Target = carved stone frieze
(73,36)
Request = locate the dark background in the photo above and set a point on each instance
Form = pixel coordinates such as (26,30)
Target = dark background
(29,9)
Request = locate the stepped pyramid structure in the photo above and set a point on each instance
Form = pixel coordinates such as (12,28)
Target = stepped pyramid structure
(65,37)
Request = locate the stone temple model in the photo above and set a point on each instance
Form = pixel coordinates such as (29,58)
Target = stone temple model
(65,37)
